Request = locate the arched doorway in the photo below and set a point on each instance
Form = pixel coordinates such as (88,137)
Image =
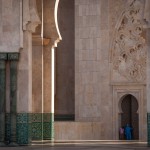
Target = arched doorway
(129,115)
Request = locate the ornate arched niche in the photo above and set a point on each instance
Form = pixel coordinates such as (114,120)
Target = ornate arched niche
(135,95)
(128,52)
(119,92)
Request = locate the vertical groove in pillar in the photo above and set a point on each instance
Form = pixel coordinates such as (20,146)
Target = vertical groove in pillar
(3,57)
(13,57)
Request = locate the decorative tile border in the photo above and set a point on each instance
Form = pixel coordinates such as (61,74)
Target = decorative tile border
(148,128)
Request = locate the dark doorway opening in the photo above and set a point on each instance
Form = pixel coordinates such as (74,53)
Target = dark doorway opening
(129,115)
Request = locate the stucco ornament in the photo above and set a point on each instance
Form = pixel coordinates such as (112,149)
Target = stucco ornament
(129,52)
(30,15)
(147,14)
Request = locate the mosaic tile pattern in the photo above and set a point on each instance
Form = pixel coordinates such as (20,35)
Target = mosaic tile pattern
(148,128)
(23,129)
(30,127)
(48,123)
(36,126)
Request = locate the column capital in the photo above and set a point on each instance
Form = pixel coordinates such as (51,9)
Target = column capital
(47,42)
(3,56)
(13,56)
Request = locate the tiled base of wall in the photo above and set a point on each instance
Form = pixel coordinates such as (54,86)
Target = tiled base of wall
(148,128)
(36,131)
(23,128)
(30,127)
(46,126)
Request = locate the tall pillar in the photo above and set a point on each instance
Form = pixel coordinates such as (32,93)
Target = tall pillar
(50,31)
(48,115)
(148,86)
(147,29)
(37,88)
(3,57)
(13,58)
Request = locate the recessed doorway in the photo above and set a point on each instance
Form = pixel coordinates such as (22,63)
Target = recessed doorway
(129,106)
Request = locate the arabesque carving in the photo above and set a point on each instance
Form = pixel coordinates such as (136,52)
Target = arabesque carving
(129,52)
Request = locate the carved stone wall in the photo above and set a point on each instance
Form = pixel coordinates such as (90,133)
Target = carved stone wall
(128,50)
(11,39)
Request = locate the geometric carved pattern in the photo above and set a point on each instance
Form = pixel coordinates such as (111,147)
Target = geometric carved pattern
(148,128)
(129,52)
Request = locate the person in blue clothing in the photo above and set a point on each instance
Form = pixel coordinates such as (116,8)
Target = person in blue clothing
(128,131)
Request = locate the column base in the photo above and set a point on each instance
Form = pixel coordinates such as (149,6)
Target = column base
(2,144)
(52,140)
(13,144)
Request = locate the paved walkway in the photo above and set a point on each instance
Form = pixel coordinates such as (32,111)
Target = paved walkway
(88,145)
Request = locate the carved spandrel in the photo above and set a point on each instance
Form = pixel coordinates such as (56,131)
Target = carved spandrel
(129,52)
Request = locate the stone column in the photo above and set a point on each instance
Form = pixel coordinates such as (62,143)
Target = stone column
(50,31)
(30,21)
(48,115)
(3,57)
(37,88)
(147,27)
(13,58)
(148,86)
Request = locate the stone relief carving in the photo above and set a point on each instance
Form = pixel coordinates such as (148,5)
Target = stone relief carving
(30,15)
(147,14)
(129,52)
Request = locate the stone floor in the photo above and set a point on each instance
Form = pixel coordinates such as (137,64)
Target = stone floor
(88,145)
